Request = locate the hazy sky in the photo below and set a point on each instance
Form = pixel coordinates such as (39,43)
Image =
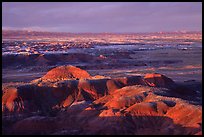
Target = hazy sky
(102,16)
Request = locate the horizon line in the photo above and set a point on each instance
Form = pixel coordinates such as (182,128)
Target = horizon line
(178,31)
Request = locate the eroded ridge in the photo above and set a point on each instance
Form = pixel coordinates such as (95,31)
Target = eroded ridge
(99,105)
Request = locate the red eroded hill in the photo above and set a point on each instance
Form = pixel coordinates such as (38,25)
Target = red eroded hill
(131,110)
(66,72)
(158,80)
(128,105)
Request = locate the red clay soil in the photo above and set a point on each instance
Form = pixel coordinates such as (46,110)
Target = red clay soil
(122,106)
(66,72)
(158,80)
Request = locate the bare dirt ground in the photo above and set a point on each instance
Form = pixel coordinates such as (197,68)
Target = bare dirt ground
(116,61)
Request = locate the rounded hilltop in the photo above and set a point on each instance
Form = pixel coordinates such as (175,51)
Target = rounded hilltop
(66,72)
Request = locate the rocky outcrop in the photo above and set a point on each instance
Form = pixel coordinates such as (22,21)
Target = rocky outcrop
(97,105)
(61,87)
(131,110)
(158,80)
(64,85)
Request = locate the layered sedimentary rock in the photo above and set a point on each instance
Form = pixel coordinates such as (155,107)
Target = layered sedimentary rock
(158,80)
(66,72)
(74,102)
